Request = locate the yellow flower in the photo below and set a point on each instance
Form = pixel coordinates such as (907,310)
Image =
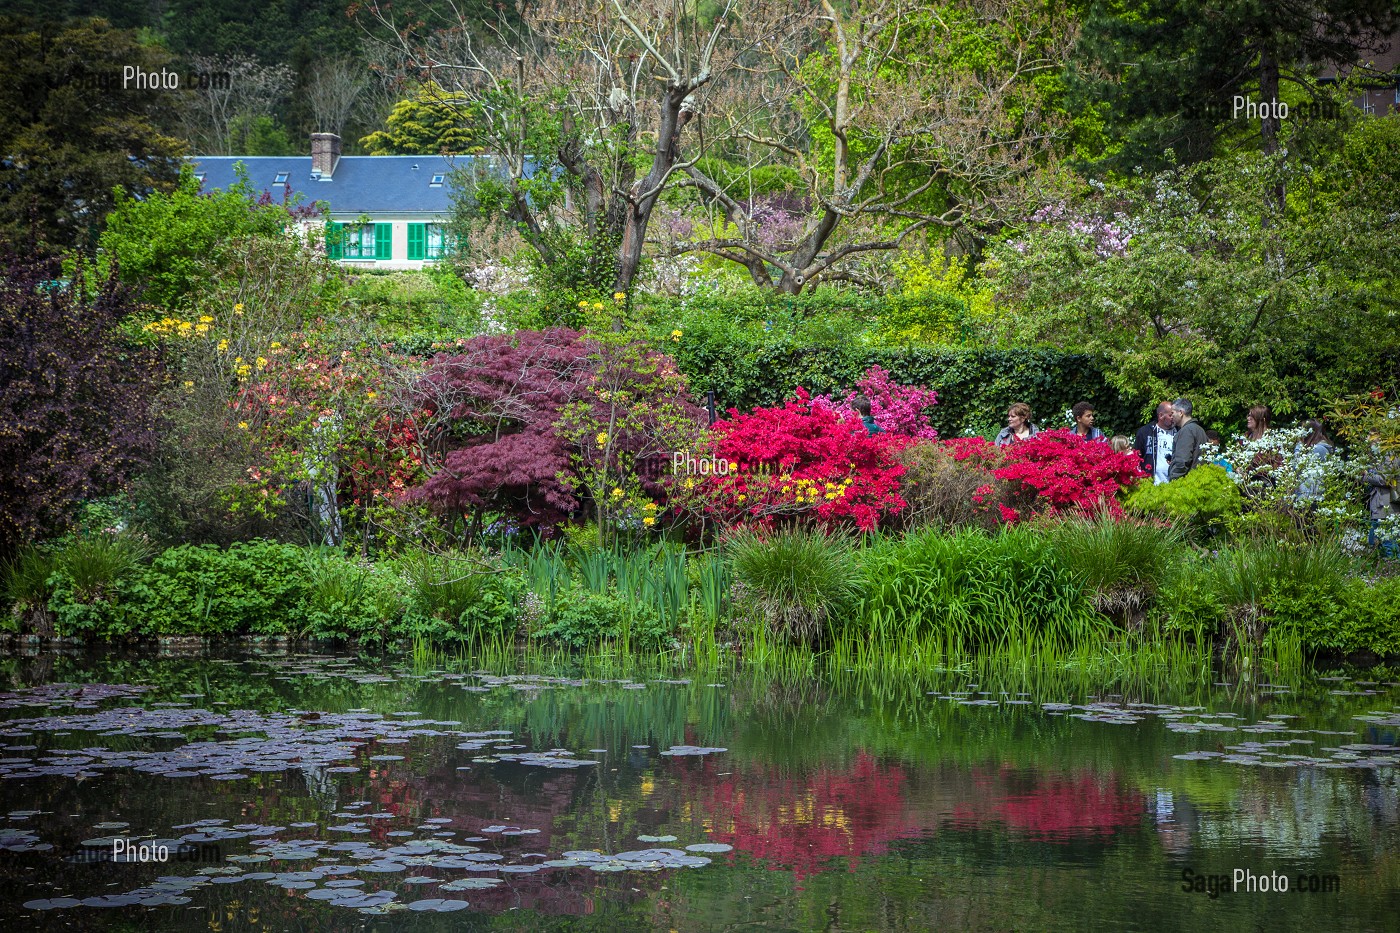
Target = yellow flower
(597,306)
(675,335)
(602,438)
(238,308)
(238,359)
(275,345)
(733,466)
(205,319)
(648,521)
(189,384)
(262,362)
(201,328)
(616,493)
(742,497)
(689,483)
(242,425)
(619,296)
(583,304)
(223,344)
(650,506)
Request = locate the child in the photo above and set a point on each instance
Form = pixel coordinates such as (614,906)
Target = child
(1121,444)
(1217,453)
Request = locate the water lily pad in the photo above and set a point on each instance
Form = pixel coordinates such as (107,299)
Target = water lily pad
(438,905)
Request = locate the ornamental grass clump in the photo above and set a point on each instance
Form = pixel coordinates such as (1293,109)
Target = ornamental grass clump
(797,583)
(1122,564)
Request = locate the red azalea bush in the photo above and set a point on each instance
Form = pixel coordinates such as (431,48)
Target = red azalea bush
(1053,473)
(801,459)
(1057,471)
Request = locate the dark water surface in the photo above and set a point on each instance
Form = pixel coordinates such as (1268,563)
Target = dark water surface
(313,792)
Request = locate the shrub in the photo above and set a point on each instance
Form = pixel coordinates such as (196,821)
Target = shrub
(1057,471)
(1367,619)
(75,418)
(751,353)
(1205,497)
(803,459)
(253,587)
(942,490)
(459,596)
(1261,585)
(25,577)
(587,619)
(346,599)
(799,583)
(96,585)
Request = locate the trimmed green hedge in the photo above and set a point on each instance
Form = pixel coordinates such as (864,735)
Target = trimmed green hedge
(975,385)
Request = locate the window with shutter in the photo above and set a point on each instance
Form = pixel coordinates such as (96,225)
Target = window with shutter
(417,241)
(335,240)
(383,241)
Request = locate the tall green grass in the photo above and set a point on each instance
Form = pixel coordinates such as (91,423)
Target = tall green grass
(938,597)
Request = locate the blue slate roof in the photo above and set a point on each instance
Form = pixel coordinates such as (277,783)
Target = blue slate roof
(360,184)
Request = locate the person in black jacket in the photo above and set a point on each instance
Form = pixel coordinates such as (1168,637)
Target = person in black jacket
(1154,443)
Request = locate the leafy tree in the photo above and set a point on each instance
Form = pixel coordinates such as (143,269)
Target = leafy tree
(70,132)
(431,122)
(586,108)
(897,117)
(75,397)
(1197,282)
(1168,70)
(491,410)
(166,242)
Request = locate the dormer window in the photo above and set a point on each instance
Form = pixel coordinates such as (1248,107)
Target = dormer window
(199,177)
(281,178)
(436,182)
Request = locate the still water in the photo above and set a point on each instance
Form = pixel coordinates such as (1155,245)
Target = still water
(318,792)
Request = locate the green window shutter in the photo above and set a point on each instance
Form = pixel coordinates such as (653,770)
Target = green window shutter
(335,240)
(417,241)
(383,241)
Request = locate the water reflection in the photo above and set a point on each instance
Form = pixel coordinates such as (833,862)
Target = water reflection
(877,806)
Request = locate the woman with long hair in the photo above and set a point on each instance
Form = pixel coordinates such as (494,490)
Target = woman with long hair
(1257,422)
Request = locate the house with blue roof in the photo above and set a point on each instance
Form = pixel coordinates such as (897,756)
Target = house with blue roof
(384,212)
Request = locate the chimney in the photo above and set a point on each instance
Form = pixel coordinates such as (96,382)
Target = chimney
(325,153)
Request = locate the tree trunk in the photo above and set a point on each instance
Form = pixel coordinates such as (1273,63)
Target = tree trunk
(642,195)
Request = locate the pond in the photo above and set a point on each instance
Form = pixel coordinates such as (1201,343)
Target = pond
(334,792)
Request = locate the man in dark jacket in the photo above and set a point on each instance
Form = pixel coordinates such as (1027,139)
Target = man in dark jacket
(1154,443)
(1190,444)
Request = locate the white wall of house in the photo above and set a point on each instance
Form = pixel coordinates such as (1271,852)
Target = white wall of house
(400,261)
